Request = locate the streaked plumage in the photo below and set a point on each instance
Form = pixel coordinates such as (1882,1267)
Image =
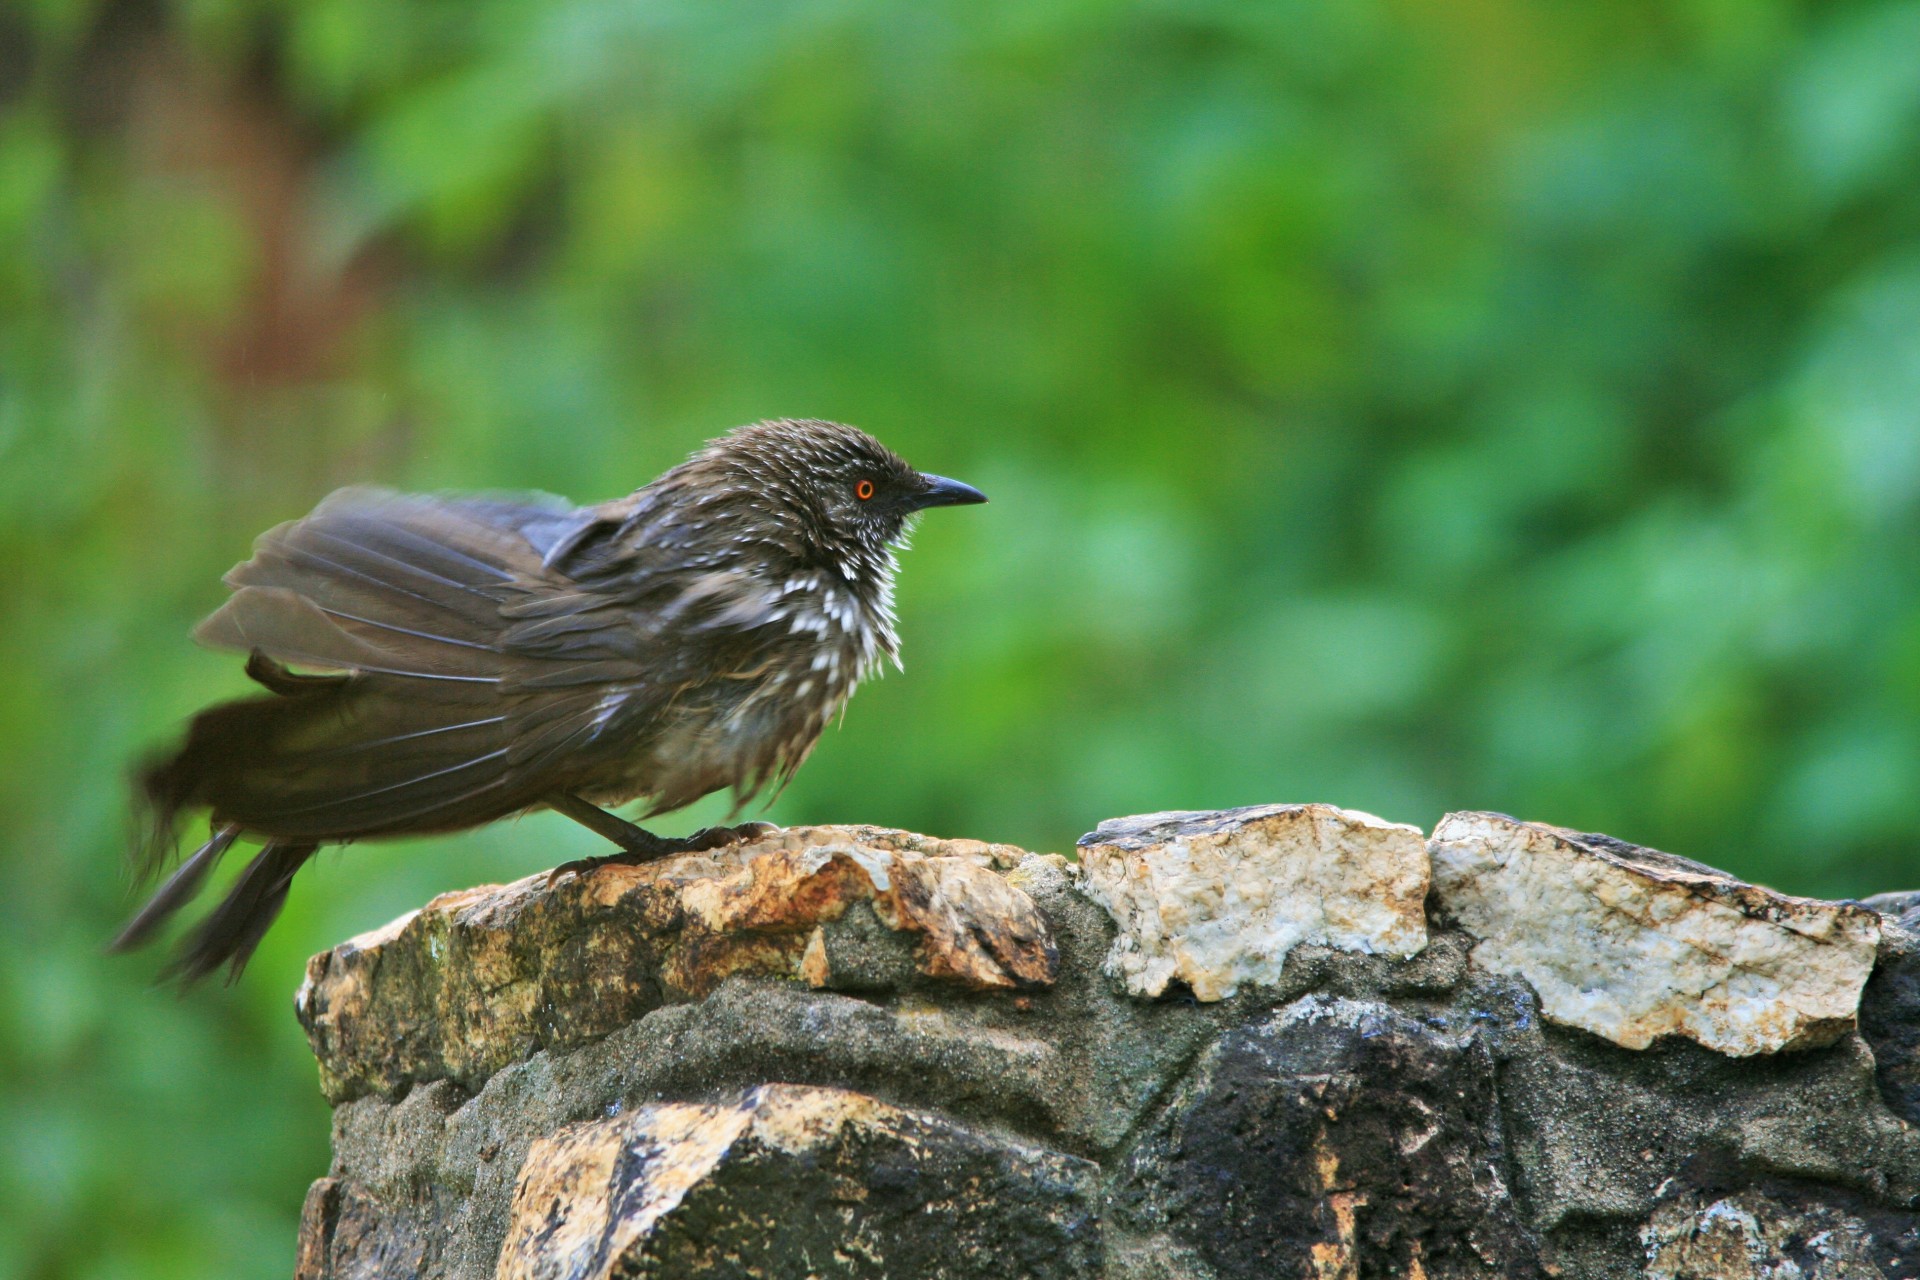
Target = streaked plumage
(465,659)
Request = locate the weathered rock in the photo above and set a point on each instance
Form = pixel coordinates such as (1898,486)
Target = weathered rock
(1902,904)
(1595,1131)
(344,1231)
(1219,900)
(484,977)
(1633,944)
(799,1182)
(729,1066)
(1750,1235)
(1890,1013)
(1335,1138)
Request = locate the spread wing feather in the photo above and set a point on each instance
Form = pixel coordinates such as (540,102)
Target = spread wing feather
(438,713)
(380,566)
(464,659)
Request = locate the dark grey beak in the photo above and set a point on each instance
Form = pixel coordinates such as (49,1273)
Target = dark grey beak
(942,492)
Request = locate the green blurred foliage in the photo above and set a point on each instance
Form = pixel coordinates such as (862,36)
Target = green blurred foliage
(1410,406)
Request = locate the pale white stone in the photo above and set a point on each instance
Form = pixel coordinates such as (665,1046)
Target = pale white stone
(1217,900)
(1633,944)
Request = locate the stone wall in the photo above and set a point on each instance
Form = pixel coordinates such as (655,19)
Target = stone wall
(1287,1041)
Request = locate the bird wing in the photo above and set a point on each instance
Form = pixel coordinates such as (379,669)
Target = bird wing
(642,605)
(377,581)
(489,650)
(403,595)
(449,589)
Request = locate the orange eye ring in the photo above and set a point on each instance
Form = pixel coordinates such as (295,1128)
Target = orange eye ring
(863,490)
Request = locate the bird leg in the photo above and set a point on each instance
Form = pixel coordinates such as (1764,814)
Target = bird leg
(634,841)
(638,845)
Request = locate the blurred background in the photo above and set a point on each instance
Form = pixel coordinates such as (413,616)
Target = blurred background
(1407,405)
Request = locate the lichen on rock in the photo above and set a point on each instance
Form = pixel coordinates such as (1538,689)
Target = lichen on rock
(1751,1235)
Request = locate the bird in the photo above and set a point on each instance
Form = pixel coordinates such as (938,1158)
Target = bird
(436,663)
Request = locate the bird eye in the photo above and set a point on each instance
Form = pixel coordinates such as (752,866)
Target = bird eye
(863,490)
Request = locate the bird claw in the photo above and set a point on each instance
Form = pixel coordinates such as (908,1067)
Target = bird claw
(704,840)
(710,838)
(585,866)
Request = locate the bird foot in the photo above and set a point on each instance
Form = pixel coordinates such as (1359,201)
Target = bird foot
(583,866)
(720,837)
(637,852)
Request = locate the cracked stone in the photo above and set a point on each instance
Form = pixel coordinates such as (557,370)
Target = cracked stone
(633,1041)
(1337,1138)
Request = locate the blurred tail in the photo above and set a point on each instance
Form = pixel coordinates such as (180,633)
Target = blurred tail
(177,892)
(233,929)
(401,600)
(318,760)
(233,731)
(222,741)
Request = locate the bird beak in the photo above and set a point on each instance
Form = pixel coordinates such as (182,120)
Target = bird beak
(942,492)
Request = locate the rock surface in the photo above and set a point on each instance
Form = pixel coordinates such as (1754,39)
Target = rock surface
(1890,1011)
(481,978)
(1219,900)
(838,1182)
(1754,1236)
(847,1051)
(1335,1133)
(1633,944)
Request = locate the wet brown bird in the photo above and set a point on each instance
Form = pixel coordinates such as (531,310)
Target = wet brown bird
(468,659)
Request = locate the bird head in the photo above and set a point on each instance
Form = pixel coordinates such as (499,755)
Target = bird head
(850,495)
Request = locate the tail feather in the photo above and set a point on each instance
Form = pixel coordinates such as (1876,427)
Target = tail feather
(180,889)
(232,930)
(322,759)
(218,741)
(336,761)
(398,602)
